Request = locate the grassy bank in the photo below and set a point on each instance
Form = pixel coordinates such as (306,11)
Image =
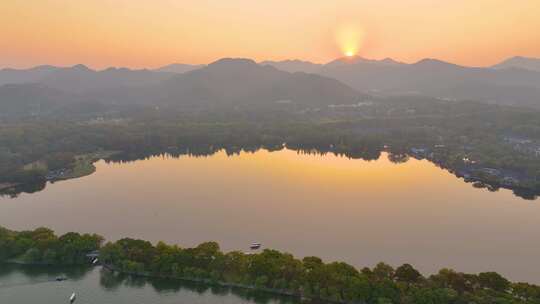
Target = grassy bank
(84,165)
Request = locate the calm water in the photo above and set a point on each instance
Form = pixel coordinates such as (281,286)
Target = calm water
(356,211)
(25,285)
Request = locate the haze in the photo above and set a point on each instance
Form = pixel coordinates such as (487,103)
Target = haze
(146,34)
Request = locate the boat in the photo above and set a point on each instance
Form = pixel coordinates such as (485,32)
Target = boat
(60,279)
(95,261)
(255,246)
(72,298)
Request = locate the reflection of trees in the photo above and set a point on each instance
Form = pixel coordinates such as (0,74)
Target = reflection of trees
(110,280)
(24,188)
(113,280)
(34,271)
(365,150)
(135,281)
(365,153)
(398,158)
(525,194)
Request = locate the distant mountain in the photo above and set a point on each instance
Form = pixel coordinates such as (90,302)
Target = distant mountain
(439,79)
(36,99)
(226,82)
(79,78)
(12,76)
(358,59)
(293,66)
(310,67)
(179,68)
(243,82)
(520,62)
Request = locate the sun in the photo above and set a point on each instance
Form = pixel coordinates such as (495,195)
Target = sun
(350,38)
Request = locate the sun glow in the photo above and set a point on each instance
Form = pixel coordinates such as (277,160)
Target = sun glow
(349,38)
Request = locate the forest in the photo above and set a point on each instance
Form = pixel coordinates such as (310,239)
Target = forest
(310,277)
(468,139)
(268,270)
(43,246)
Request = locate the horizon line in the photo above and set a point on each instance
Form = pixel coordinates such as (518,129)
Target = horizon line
(3,68)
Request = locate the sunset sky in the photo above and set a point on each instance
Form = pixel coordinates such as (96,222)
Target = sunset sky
(151,33)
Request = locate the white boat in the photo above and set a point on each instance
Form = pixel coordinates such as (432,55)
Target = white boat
(72,298)
(255,246)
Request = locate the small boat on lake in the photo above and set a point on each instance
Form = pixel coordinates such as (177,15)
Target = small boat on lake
(255,246)
(72,298)
(60,279)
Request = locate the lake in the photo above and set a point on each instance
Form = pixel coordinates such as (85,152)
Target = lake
(33,284)
(356,211)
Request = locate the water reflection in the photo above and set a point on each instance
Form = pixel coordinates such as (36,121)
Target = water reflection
(367,153)
(113,281)
(357,211)
(36,282)
(37,274)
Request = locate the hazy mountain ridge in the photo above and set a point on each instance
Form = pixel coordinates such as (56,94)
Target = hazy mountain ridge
(310,67)
(342,61)
(80,78)
(179,68)
(441,79)
(243,82)
(38,99)
(513,86)
(520,62)
(293,66)
(226,82)
(13,76)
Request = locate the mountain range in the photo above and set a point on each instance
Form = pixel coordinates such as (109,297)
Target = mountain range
(520,63)
(226,82)
(513,82)
(233,82)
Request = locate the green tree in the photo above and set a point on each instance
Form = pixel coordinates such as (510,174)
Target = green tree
(407,273)
(383,271)
(493,280)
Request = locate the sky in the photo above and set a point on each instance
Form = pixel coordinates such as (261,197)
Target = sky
(152,33)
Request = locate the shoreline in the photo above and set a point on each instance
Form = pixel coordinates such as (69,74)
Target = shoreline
(270,271)
(209,282)
(85,167)
(7,186)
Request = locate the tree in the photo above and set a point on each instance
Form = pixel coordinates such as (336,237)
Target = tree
(383,271)
(448,278)
(433,296)
(32,255)
(407,273)
(493,281)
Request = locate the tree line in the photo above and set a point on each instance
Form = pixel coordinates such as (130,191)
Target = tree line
(43,246)
(269,270)
(31,148)
(312,278)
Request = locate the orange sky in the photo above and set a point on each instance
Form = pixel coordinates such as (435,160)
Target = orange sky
(151,33)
